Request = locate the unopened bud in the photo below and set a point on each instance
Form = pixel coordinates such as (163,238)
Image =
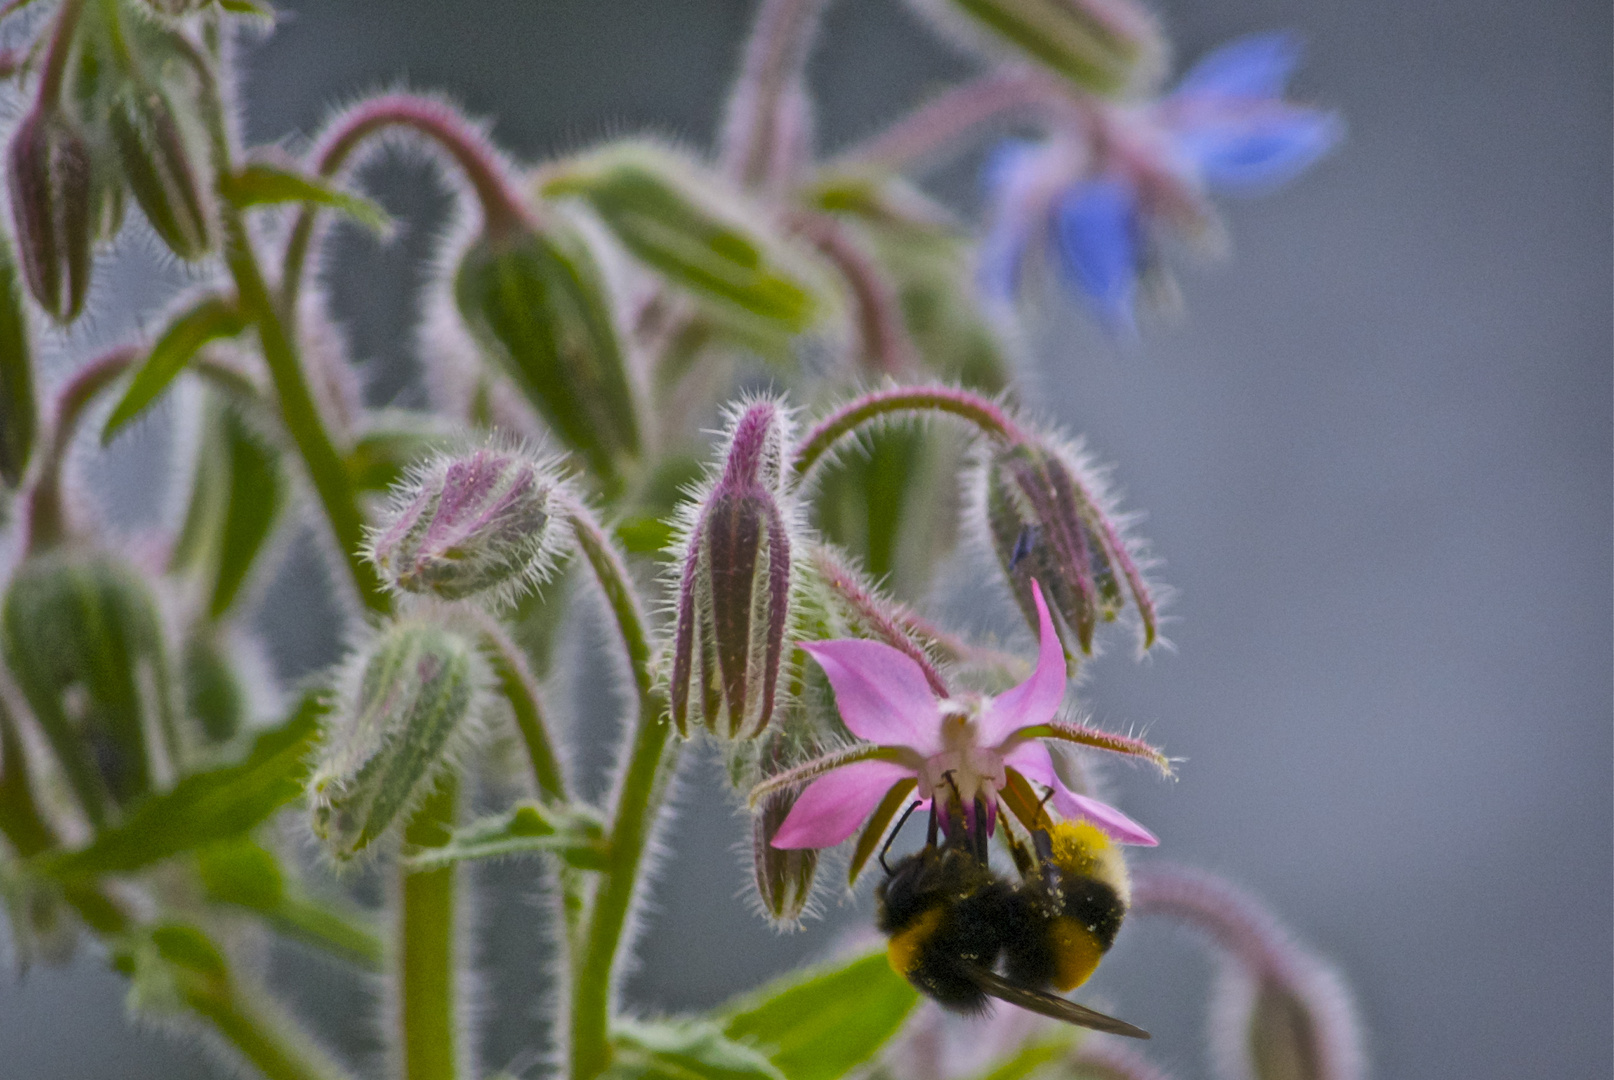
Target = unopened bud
(1103,46)
(784,877)
(478,523)
(1049,523)
(19,410)
(83,639)
(734,592)
(165,163)
(48,175)
(215,697)
(418,686)
(537,303)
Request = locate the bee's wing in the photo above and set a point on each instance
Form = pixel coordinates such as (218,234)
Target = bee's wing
(1050,1005)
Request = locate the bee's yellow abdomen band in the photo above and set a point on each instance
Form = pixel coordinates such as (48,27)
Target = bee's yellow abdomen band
(903,951)
(1076,953)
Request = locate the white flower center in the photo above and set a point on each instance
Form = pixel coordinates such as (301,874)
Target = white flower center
(963,768)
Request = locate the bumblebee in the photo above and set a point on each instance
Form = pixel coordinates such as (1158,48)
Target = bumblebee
(963,934)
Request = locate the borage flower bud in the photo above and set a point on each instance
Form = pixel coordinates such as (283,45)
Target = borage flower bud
(19,410)
(536,302)
(478,523)
(165,162)
(48,176)
(784,877)
(419,689)
(1050,521)
(1104,46)
(734,590)
(83,639)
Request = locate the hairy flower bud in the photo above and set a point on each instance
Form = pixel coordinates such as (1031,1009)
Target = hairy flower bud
(784,877)
(419,685)
(734,592)
(84,641)
(477,523)
(19,410)
(1049,521)
(1104,46)
(48,175)
(536,302)
(165,163)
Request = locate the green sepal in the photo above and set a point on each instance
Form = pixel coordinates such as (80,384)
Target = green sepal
(243,874)
(83,638)
(687,1049)
(538,305)
(658,205)
(1103,48)
(257,9)
(19,409)
(390,444)
(209,319)
(575,834)
(262,184)
(822,1023)
(205,807)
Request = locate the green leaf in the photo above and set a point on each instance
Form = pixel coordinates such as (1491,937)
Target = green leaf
(382,453)
(821,1024)
(262,184)
(213,318)
(1033,1056)
(208,806)
(257,9)
(683,1050)
(577,835)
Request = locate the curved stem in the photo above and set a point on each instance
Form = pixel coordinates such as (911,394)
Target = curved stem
(756,133)
(520,688)
(638,797)
(47,513)
(943,121)
(503,211)
(985,414)
(252,1025)
(61,44)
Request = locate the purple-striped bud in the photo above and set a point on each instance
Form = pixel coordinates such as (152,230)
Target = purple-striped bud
(164,157)
(48,175)
(474,524)
(784,877)
(734,591)
(1050,521)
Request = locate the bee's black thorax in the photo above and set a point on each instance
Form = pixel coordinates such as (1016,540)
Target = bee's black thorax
(943,909)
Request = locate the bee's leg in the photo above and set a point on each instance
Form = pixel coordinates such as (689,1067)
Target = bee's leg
(981,853)
(889,840)
(930,836)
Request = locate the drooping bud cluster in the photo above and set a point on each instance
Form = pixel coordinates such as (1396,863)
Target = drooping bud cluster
(418,686)
(734,590)
(1049,522)
(481,523)
(83,639)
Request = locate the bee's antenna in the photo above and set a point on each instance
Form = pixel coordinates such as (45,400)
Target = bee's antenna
(903,820)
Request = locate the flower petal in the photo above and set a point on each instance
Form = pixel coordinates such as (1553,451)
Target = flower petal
(1254,66)
(1033,761)
(882,694)
(1007,178)
(1258,152)
(1036,700)
(1096,235)
(832,807)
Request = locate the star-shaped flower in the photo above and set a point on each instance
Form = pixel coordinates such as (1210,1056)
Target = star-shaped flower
(1097,202)
(972,748)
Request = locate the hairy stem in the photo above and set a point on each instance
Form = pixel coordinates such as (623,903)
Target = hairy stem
(520,688)
(756,132)
(47,514)
(984,413)
(503,210)
(425,947)
(638,797)
(944,121)
(252,1026)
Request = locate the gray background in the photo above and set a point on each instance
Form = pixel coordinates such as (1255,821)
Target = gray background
(1376,456)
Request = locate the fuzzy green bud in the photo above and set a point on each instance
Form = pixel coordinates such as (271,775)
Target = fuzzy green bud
(215,697)
(164,159)
(49,178)
(1048,523)
(1103,46)
(419,686)
(83,639)
(734,592)
(474,524)
(536,302)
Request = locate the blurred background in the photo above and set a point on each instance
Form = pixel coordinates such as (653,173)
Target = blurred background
(1376,458)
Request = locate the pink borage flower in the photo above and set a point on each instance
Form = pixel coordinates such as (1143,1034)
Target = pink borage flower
(977,748)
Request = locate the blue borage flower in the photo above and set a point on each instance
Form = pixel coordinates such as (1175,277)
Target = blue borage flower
(1097,203)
